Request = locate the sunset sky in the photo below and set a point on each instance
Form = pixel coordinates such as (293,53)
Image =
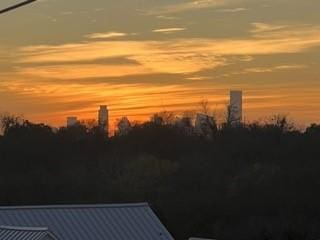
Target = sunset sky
(62,58)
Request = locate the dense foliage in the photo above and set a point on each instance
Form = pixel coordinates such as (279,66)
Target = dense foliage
(255,181)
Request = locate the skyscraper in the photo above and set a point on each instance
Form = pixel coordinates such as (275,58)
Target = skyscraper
(235,107)
(72,121)
(103,118)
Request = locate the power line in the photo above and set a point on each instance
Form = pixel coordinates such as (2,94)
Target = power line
(16,6)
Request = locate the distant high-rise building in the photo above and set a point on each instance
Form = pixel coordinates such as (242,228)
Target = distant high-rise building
(235,107)
(72,121)
(205,125)
(103,118)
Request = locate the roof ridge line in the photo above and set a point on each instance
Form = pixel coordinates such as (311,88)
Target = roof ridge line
(31,229)
(75,206)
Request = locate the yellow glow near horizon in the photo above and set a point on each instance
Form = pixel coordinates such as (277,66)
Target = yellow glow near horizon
(166,57)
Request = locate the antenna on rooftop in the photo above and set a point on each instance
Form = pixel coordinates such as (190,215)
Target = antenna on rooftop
(16,6)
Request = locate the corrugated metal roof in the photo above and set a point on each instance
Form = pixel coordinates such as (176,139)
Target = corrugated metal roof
(16,233)
(90,222)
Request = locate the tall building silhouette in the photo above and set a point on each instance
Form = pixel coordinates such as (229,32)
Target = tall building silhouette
(103,118)
(72,121)
(235,107)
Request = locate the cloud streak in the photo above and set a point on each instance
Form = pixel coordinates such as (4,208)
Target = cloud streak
(189,6)
(138,76)
(232,10)
(176,56)
(106,35)
(168,30)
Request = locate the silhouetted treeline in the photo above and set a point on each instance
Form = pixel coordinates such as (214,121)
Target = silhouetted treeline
(254,181)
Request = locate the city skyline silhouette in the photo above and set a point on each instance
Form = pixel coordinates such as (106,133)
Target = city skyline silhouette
(162,120)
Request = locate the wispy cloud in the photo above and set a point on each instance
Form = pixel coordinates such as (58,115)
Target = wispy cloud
(290,31)
(198,78)
(175,56)
(168,30)
(266,70)
(188,6)
(106,35)
(232,10)
(167,17)
(259,27)
(273,69)
(70,71)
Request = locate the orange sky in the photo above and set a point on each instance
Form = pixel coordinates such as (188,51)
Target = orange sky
(60,59)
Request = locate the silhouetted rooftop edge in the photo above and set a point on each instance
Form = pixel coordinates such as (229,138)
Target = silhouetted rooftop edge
(32,229)
(66,206)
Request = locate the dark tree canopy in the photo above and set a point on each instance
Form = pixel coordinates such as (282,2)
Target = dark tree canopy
(254,181)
